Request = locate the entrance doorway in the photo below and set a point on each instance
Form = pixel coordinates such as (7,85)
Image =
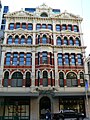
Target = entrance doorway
(44,104)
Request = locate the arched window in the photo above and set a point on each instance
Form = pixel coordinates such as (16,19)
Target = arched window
(11,26)
(70,27)
(45,78)
(65,41)
(71,42)
(44,39)
(78,42)
(30,26)
(63,27)
(44,14)
(76,28)
(58,27)
(9,40)
(73,60)
(59,41)
(16,40)
(44,58)
(24,25)
(15,59)
(43,26)
(17,25)
(29,40)
(8,57)
(82,82)
(60,59)
(28,79)
(17,79)
(71,80)
(22,40)
(67,59)
(61,79)
(6,78)
(79,58)
(28,59)
(21,59)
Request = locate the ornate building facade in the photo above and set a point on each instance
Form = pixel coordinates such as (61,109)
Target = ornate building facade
(43,67)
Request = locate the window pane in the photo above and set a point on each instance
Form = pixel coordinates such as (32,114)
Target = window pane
(17,25)
(44,58)
(44,39)
(58,28)
(59,41)
(10,40)
(29,40)
(60,60)
(30,26)
(11,26)
(38,26)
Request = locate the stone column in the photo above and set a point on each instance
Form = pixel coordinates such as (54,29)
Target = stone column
(34,34)
(56,69)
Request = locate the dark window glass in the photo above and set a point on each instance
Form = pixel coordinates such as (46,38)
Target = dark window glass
(6,77)
(30,26)
(8,57)
(45,78)
(70,27)
(77,42)
(11,26)
(44,58)
(28,79)
(65,41)
(61,79)
(60,59)
(44,15)
(10,40)
(28,59)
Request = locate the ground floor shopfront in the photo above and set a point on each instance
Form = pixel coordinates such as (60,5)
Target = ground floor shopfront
(34,108)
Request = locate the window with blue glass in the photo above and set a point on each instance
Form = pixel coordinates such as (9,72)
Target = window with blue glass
(70,27)
(22,40)
(38,40)
(16,41)
(73,61)
(3,21)
(9,40)
(71,42)
(43,26)
(65,41)
(2,27)
(60,59)
(67,59)
(58,27)
(44,39)
(21,59)
(8,57)
(59,41)
(50,27)
(79,57)
(15,59)
(28,59)
(29,40)
(44,58)
(6,8)
(24,25)
(38,77)
(63,27)
(77,42)
(61,79)
(30,26)
(11,26)
(38,26)
(17,25)
(76,28)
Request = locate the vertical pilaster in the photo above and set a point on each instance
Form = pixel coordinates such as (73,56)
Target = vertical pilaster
(34,34)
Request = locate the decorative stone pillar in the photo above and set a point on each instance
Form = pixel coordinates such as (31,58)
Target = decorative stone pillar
(65,82)
(34,34)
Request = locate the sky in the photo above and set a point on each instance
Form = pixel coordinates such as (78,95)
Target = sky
(76,7)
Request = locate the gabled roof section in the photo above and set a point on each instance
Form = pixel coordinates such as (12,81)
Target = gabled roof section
(44,6)
(20,13)
(66,15)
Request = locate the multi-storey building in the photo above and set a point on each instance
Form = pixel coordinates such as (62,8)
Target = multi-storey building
(42,59)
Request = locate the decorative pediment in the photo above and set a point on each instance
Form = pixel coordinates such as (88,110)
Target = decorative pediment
(67,15)
(44,6)
(20,13)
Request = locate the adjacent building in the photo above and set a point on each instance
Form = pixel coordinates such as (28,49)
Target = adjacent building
(42,63)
